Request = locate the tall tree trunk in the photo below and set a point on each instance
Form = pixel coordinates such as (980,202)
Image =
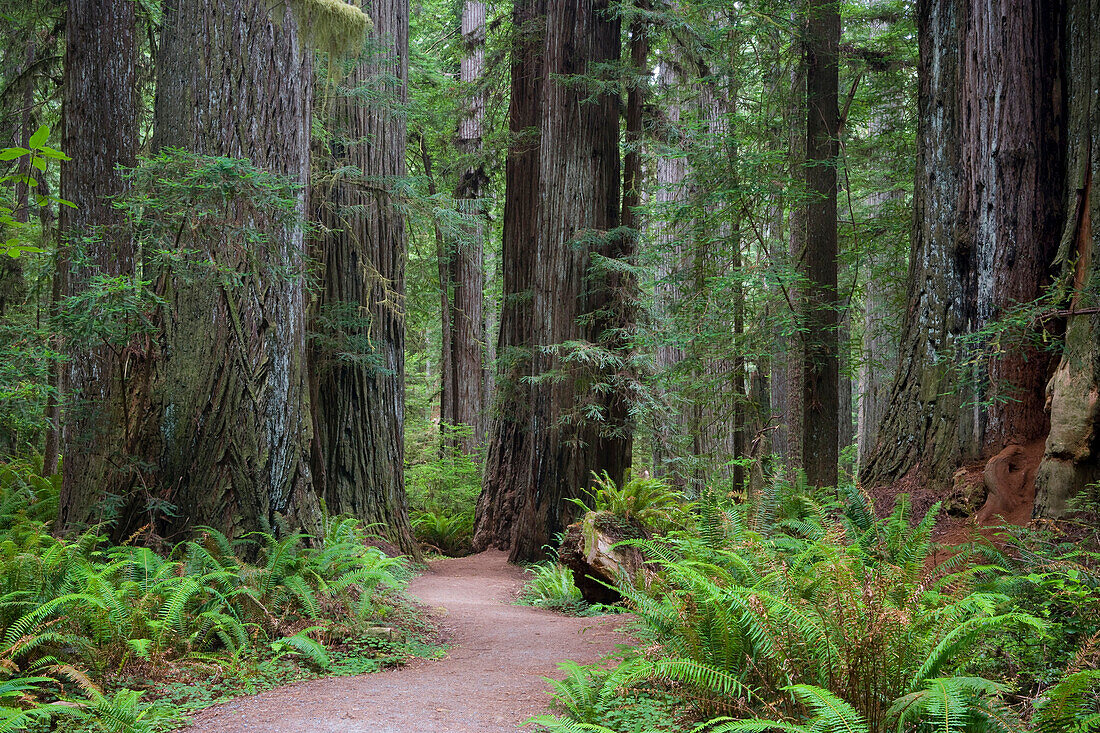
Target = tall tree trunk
(579,199)
(230,386)
(359,403)
(671,170)
(1071,460)
(100,133)
(509,457)
(577,192)
(987,212)
(819,261)
(463,381)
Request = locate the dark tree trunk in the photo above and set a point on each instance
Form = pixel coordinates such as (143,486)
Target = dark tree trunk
(576,188)
(1072,460)
(359,402)
(819,260)
(100,133)
(509,457)
(987,212)
(463,380)
(235,80)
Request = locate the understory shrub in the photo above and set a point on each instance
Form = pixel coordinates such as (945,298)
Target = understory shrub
(81,620)
(805,611)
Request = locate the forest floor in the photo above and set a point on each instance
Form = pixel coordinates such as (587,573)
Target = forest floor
(489,681)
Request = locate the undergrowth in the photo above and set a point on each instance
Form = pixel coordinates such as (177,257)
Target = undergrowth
(805,611)
(89,630)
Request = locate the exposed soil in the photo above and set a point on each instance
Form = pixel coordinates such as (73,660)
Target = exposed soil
(490,681)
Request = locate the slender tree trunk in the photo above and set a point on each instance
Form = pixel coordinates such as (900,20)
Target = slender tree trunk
(463,380)
(360,403)
(100,133)
(989,165)
(235,81)
(671,173)
(1071,461)
(821,363)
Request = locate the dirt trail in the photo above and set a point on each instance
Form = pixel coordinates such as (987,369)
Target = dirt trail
(490,681)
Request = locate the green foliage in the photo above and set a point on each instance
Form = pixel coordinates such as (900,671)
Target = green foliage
(448,534)
(650,501)
(77,616)
(803,615)
(35,159)
(443,485)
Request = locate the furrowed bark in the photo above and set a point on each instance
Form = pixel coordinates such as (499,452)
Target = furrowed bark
(230,387)
(986,223)
(100,134)
(359,403)
(508,460)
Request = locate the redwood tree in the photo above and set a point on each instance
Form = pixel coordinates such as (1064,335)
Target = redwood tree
(100,133)
(463,380)
(234,80)
(1071,461)
(987,223)
(571,198)
(358,361)
(818,260)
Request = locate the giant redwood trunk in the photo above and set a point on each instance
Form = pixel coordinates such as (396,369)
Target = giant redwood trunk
(1071,460)
(234,80)
(821,364)
(463,381)
(576,188)
(508,459)
(986,226)
(358,365)
(100,133)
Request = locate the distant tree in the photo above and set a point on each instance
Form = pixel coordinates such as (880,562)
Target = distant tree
(463,388)
(818,259)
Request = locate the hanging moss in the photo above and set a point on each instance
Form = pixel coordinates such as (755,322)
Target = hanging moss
(333,26)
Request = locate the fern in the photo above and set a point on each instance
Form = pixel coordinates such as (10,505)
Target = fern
(1068,706)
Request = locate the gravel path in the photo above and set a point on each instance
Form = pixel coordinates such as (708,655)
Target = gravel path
(490,681)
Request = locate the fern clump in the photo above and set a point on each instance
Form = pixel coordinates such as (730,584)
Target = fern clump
(800,613)
(81,620)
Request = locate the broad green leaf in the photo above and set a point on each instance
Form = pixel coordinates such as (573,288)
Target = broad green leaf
(47,152)
(39,138)
(12,153)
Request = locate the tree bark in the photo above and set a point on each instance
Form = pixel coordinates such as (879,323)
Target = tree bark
(576,189)
(989,162)
(100,133)
(819,262)
(1071,461)
(230,388)
(509,456)
(359,402)
(463,393)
